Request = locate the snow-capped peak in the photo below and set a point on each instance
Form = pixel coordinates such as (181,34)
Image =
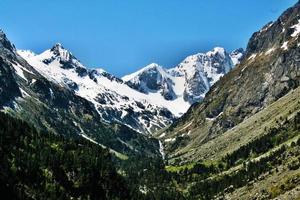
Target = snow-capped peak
(114,100)
(189,81)
(217,51)
(59,51)
(142,70)
(237,55)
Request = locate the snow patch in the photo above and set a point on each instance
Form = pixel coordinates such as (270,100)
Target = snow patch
(161,150)
(214,118)
(170,140)
(270,51)
(19,71)
(285,45)
(297,29)
(185,127)
(24,93)
(162,135)
(252,56)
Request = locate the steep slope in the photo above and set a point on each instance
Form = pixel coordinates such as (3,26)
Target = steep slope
(46,166)
(265,167)
(187,83)
(113,99)
(268,71)
(25,93)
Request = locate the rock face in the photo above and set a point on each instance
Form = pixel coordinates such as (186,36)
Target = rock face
(237,55)
(190,80)
(152,78)
(269,69)
(51,105)
(201,71)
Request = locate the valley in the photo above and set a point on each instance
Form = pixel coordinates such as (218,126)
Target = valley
(219,125)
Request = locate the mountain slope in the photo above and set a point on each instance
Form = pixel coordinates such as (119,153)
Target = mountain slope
(268,71)
(113,99)
(46,166)
(26,94)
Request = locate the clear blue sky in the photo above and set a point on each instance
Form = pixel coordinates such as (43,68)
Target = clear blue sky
(122,36)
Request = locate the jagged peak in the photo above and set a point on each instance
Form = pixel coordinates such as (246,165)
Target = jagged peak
(144,69)
(60,51)
(1,32)
(151,65)
(5,42)
(58,47)
(217,50)
(239,50)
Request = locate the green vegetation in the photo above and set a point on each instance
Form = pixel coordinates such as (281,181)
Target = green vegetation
(46,166)
(268,155)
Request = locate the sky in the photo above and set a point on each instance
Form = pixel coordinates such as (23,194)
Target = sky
(122,36)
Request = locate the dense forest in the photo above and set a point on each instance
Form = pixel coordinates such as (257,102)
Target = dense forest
(38,165)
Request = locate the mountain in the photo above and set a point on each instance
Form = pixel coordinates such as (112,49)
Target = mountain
(188,82)
(242,140)
(49,105)
(113,99)
(268,70)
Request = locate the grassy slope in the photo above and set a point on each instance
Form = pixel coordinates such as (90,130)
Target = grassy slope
(268,183)
(246,131)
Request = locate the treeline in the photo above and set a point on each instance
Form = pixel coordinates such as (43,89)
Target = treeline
(36,165)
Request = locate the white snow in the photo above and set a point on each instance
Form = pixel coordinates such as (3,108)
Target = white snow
(20,70)
(170,140)
(214,118)
(162,135)
(161,150)
(188,125)
(199,67)
(270,51)
(112,91)
(266,28)
(24,93)
(283,30)
(236,58)
(118,95)
(33,81)
(252,56)
(297,29)
(285,45)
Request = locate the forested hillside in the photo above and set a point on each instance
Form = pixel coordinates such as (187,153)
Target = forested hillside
(38,165)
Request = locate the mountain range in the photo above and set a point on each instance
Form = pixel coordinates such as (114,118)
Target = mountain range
(218,125)
(147,100)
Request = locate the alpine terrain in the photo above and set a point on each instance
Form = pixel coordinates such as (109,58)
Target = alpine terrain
(147,100)
(219,125)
